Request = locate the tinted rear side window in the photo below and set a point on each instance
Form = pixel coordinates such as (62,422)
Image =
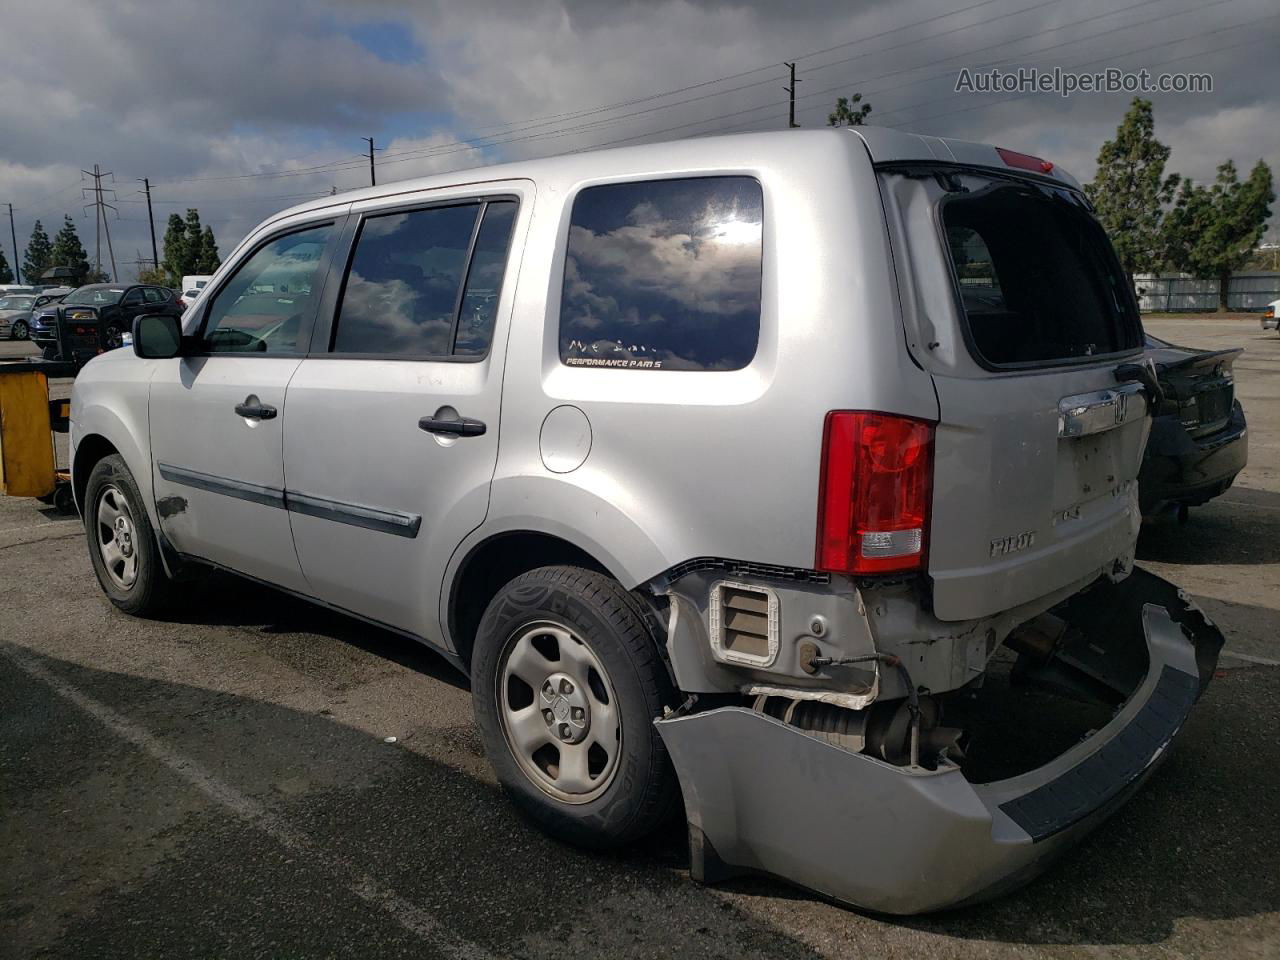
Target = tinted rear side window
(664,274)
(402,290)
(1038,281)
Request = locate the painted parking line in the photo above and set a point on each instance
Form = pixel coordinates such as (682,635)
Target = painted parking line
(1251,658)
(409,915)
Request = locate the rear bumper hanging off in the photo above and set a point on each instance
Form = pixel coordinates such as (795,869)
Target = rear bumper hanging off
(762,795)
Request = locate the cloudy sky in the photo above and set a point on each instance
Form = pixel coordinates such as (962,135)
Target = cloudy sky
(243,107)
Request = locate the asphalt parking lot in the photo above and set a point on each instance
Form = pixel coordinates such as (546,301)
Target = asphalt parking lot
(220,785)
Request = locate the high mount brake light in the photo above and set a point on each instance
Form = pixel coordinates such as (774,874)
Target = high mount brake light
(875,487)
(1024,161)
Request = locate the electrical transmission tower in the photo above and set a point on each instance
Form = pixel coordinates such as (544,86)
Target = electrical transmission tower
(100,208)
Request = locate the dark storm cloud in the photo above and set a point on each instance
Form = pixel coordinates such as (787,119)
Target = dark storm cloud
(186,91)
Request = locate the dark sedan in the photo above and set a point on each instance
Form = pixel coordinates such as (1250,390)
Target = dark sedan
(1199,442)
(110,305)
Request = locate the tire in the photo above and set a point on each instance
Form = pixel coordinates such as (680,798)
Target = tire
(589,619)
(50,352)
(112,337)
(19,330)
(134,580)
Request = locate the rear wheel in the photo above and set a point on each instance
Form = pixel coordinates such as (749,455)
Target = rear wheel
(567,681)
(123,547)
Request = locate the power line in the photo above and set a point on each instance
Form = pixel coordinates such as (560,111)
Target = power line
(100,207)
(858,82)
(373,179)
(13,235)
(791,91)
(453,146)
(151,219)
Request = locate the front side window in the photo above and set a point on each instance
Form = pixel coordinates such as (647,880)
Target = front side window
(664,274)
(1037,280)
(154,295)
(267,302)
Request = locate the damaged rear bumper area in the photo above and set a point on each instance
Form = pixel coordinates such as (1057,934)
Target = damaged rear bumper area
(763,795)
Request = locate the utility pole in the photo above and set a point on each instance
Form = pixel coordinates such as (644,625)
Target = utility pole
(100,208)
(791,116)
(13,235)
(373,180)
(151,222)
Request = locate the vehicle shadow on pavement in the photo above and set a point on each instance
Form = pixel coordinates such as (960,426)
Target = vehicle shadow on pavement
(235,827)
(1240,527)
(225,600)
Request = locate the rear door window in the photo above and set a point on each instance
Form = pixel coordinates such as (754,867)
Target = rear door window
(1037,280)
(664,274)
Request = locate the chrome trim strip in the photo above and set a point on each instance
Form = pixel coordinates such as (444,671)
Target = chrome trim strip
(384,521)
(268,496)
(370,518)
(1088,413)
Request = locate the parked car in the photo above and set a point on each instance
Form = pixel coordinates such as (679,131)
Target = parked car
(1199,442)
(15,288)
(112,306)
(15,315)
(770,491)
(1271,316)
(51,295)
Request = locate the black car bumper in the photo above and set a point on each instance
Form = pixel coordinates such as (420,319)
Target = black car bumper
(1179,468)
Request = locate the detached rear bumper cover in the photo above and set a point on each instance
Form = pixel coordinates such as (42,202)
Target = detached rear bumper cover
(763,795)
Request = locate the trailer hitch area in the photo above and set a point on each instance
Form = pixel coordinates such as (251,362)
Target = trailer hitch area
(767,793)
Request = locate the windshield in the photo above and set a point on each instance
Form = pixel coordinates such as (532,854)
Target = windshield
(1037,279)
(95,296)
(16,303)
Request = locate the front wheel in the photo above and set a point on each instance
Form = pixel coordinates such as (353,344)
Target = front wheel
(19,330)
(567,682)
(123,547)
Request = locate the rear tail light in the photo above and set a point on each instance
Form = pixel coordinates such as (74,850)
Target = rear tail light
(182,304)
(873,502)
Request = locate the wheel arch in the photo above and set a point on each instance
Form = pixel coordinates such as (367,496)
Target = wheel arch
(89,451)
(492,563)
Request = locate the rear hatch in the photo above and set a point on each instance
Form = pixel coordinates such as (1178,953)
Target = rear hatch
(1015,302)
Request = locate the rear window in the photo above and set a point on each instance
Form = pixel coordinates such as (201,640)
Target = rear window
(664,275)
(1037,280)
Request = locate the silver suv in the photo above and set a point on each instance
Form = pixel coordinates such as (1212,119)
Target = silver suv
(734,472)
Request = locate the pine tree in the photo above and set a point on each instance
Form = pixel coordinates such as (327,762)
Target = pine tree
(847,112)
(39,255)
(1211,231)
(194,231)
(6,274)
(175,250)
(209,259)
(68,251)
(1130,191)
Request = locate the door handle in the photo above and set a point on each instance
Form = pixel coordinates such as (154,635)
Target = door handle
(255,409)
(462,427)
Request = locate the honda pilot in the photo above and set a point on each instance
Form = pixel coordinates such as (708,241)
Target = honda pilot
(741,475)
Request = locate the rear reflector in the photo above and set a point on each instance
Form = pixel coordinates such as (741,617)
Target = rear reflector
(1024,161)
(873,503)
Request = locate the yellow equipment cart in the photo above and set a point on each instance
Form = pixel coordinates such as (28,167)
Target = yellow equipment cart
(28,420)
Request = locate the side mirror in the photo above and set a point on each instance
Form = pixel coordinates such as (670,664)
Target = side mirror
(157,336)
